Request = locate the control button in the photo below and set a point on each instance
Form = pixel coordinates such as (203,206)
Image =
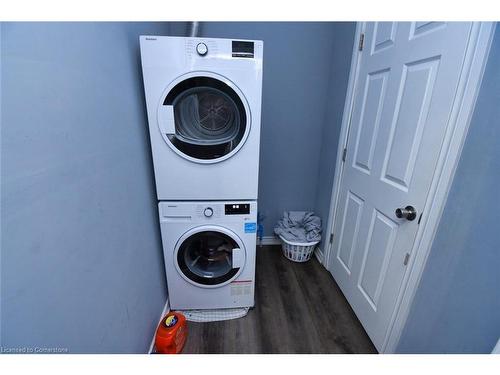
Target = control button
(208,212)
(202,49)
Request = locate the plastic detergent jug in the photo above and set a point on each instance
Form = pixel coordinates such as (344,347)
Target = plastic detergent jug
(171,334)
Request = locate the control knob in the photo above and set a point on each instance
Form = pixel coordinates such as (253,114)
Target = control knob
(208,212)
(202,49)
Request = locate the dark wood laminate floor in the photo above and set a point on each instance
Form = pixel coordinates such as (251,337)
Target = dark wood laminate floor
(298,309)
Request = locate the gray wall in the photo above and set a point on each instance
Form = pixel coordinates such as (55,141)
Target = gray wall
(343,41)
(298,60)
(81,258)
(457,306)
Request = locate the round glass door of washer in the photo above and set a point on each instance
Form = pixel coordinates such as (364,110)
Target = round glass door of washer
(209,257)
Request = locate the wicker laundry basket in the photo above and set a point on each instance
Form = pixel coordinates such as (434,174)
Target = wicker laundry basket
(297,251)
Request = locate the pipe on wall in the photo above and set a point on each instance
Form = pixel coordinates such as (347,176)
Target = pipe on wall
(193,29)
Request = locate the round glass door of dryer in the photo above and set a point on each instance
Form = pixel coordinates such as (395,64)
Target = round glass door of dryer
(210,257)
(211,119)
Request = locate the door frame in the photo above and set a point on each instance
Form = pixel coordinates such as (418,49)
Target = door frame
(469,84)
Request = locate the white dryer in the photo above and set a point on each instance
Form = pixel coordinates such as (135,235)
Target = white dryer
(203,99)
(209,251)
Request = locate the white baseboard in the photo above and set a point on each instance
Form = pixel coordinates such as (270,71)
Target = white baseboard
(320,256)
(269,240)
(166,310)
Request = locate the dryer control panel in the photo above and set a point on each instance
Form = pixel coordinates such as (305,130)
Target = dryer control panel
(227,53)
(242,48)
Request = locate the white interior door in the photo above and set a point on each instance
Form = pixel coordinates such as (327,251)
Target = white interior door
(406,83)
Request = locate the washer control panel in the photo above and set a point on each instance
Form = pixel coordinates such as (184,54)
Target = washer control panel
(237,209)
(215,212)
(208,211)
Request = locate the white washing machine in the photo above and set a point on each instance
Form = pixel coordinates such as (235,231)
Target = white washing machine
(203,99)
(209,250)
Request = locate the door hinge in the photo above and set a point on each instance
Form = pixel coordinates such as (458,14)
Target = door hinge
(331,237)
(344,154)
(407,258)
(361,42)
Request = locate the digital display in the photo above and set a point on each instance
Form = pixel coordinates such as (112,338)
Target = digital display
(237,209)
(243,49)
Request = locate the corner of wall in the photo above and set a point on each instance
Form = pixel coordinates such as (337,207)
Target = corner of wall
(334,108)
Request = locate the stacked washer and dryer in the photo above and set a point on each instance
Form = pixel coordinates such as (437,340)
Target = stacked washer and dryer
(203,99)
